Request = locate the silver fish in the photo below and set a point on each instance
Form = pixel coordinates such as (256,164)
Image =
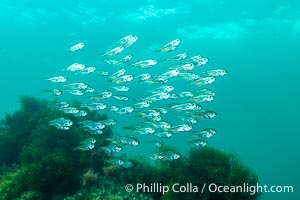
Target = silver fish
(61,123)
(125,110)
(57,79)
(76,92)
(145,64)
(215,72)
(171,46)
(94,106)
(114,51)
(87,70)
(164,134)
(121,97)
(165,156)
(75,67)
(204,81)
(142,77)
(76,47)
(118,73)
(77,86)
(81,113)
(198,143)
(120,88)
(111,149)
(54,92)
(177,57)
(123,79)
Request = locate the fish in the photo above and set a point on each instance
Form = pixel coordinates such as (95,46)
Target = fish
(202,98)
(77,86)
(120,88)
(102,73)
(110,122)
(53,92)
(76,47)
(169,74)
(122,61)
(145,64)
(112,62)
(114,108)
(131,41)
(189,76)
(142,77)
(76,92)
(75,67)
(86,145)
(204,133)
(89,90)
(181,128)
(125,110)
(115,161)
(177,57)
(87,70)
(204,81)
(198,143)
(106,94)
(185,94)
(142,104)
(183,106)
(92,126)
(126,59)
(161,124)
(165,156)
(204,114)
(183,67)
(165,89)
(197,60)
(123,79)
(94,106)
(163,134)
(130,140)
(62,104)
(187,118)
(118,73)
(61,123)
(125,39)
(57,79)
(114,51)
(70,110)
(121,97)
(158,96)
(171,46)
(81,113)
(111,149)
(215,72)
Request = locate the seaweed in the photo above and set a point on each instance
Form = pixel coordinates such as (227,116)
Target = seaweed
(205,166)
(44,157)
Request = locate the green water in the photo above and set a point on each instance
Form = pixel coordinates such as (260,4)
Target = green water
(256,41)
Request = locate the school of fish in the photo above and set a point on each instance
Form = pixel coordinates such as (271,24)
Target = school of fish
(160,98)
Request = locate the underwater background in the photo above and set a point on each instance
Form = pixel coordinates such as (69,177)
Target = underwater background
(257,42)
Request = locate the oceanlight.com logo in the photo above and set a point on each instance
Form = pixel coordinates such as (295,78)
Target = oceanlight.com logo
(212,187)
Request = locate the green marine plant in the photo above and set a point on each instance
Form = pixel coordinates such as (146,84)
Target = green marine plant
(44,158)
(211,166)
(16,128)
